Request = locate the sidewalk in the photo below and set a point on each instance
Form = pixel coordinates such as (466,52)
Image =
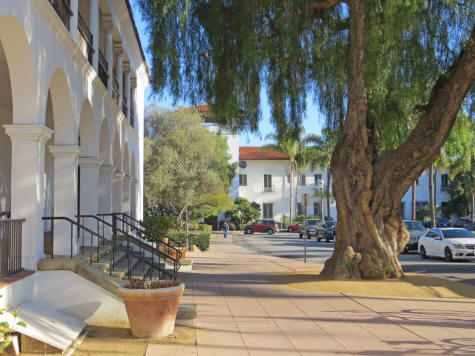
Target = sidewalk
(240,313)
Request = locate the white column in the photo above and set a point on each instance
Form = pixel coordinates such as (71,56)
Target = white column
(127,90)
(73,22)
(65,197)
(94,28)
(109,53)
(27,182)
(117,191)
(132,108)
(89,192)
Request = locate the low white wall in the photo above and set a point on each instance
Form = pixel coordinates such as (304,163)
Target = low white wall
(68,293)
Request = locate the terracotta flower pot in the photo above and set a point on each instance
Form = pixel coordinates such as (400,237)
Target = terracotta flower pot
(152,312)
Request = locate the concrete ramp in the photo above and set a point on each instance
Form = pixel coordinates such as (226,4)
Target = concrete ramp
(47,325)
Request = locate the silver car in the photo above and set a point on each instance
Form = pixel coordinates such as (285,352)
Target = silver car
(416,230)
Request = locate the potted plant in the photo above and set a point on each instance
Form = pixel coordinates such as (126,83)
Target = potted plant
(151,306)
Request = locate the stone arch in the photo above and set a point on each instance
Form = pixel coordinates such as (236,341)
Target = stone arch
(87,132)
(21,71)
(59,90)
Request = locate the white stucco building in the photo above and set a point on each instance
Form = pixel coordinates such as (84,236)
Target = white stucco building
(264,179)
(72,94)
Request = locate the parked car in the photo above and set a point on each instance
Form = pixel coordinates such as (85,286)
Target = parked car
(293,228)
(269,226)
(469,226)
(461,223)
(416,230)
(314,227)
(443,222)
(450,243)
(330,231)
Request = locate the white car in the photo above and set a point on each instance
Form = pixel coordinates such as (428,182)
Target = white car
(450,243)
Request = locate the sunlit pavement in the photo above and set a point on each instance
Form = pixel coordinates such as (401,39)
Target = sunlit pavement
(240,313)
(288,245)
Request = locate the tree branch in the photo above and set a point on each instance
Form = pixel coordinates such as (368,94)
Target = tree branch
(405,164)
(325,4)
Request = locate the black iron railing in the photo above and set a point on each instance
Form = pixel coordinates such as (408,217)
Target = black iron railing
(88,37)
(132,117)
(115,89)
(121,233)
(63,9)
(103,68)
(124,106)
(10,245)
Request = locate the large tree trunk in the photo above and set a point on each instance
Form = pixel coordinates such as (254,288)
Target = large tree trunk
(328,192)
(414,205)
(368,188)
(431,196)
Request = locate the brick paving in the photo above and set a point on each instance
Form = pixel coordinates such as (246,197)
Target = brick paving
(240,313)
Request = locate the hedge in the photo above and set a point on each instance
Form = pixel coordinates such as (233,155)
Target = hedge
(205,228)
(202,240)
(160,223)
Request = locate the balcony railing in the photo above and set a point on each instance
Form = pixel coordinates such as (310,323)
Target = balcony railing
(268,188)
(103,68)
(63,9)
(132,117)
(87,35)
(124,106)
(10,246)
(115,90)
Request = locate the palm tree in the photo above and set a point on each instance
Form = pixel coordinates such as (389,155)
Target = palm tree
(324,147)
(286,143)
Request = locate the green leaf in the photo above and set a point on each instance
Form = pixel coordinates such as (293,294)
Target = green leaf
(21,323)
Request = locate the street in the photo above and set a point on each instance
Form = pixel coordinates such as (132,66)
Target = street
(288,245)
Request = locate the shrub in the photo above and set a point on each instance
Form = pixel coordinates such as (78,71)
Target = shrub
(202,240)
(205,228)
(160,223)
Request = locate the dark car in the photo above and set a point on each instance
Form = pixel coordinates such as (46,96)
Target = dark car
(313,227)
(443,222)
(416,230)
(330,230)
(269,226)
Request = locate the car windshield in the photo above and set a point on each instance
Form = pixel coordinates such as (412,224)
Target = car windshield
(457,234)
(314,221)
(414,225)
(330,224)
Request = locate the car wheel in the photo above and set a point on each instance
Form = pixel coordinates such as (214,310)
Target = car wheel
(249,231)
(405,250)
(300,235)
(308,236)
(448,255)
(270,231)
(290,229)
(423,252)
(327,239)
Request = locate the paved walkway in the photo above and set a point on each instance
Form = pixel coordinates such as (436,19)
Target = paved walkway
(239,313)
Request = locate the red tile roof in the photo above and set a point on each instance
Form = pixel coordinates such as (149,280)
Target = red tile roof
(256,153)
(203,108)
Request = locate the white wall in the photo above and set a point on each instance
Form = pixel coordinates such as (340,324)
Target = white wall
(254,191)
(68,293)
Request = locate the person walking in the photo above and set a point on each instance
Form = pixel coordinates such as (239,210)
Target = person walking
(225,229)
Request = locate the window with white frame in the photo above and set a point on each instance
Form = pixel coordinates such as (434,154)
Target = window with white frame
(303,179)
(267,182)
(317,210)
(268,211)
(444,181)
(318,178)
(243,179)
(299,209)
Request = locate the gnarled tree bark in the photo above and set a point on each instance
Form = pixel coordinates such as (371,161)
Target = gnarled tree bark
(368,189)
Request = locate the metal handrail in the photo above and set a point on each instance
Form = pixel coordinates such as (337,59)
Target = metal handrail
(6,213)
(138,242)
(148,227)
(10,245)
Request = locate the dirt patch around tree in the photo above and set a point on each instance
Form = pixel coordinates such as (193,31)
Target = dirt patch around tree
(118,341)
(410,286)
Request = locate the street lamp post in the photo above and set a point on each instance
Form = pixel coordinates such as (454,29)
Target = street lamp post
(239,212)
(321,184)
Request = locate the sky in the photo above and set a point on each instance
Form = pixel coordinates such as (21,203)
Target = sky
(313,122)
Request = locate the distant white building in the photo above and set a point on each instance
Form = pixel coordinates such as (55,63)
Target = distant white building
(264,178)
